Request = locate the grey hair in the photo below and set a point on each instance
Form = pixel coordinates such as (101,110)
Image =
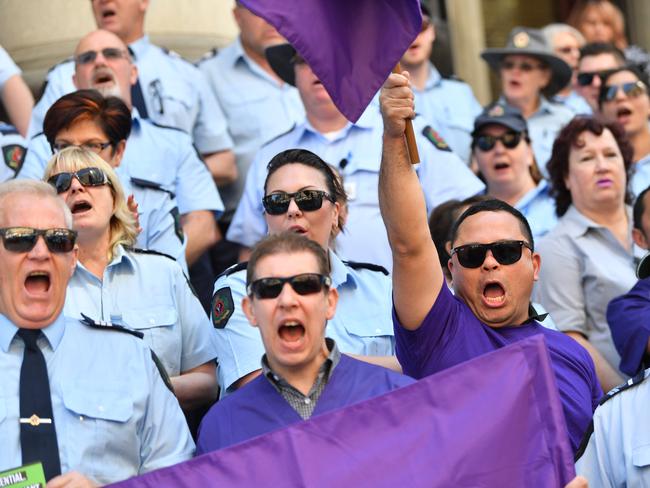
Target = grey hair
(33,188)
(552,30)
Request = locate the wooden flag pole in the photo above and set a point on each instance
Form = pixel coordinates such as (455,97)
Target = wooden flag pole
(411,145)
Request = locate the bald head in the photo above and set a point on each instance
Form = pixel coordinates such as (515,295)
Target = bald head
(103,63)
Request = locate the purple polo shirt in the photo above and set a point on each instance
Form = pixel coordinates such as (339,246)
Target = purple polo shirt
(451,334)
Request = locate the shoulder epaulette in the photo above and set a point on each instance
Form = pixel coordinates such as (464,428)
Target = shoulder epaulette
(151,184)
(7,130)
(279,135)
(37,135)
(103,325)
(151,251)
(175,55)
(209,55)
(233,269)
(170,127)
(436,139)
(69,59)
(632,382)
(372,267)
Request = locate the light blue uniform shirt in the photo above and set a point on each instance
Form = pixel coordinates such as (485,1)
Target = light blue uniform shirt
(618,453)
(356,152)
(7,68)
(114,416)
(362,323)
(450,107)
(539,209)
(574,102)
(257,107)
(543,127)
(640,179)
(174,90)
(149,293)
(153,153)
(12,151)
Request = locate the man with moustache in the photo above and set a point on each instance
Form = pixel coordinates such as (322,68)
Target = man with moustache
(169,90)
(84,400)
(162,156)
(493,266)
(290,299)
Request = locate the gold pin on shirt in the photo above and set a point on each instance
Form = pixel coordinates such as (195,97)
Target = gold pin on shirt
(35,421)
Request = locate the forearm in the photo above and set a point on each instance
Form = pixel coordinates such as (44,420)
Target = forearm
(201,232)
(388,362)
(222,167)
(608,376)
(196,387)
(18,102)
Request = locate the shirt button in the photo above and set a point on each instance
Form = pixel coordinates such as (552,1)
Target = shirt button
(307,401)
(100,408)
(377,331)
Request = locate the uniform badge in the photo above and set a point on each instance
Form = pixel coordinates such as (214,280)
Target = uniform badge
(436,139)
(14,155)
(496,111)
(178,227)
(521,40)
(222,307)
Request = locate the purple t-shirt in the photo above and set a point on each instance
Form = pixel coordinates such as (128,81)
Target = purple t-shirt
(451,334)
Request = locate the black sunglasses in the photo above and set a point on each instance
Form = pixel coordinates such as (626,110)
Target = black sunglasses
(586,78)
(486,143)
(505,252)
(86,176)
(632,89)
(307,201)
(302,284)
(109,53)
(23,239)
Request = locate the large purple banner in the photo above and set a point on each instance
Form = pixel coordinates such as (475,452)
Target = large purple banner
(495,421)
(351,45)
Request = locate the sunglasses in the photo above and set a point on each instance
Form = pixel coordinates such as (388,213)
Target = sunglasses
(302,284)
(632,89)
(586,78)
(510,140)
(86,176)
(505,252)
(95,147)
(307,201)
(23,239)
(109,53)
(525,67)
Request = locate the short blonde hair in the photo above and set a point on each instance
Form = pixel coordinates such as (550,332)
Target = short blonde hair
(123,224)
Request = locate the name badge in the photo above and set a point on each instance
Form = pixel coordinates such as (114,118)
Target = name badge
(28,476)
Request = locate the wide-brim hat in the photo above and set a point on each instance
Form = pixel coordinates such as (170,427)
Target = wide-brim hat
(281,58)
(531,42)
(643,268)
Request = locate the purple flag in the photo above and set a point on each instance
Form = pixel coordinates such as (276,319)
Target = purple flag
(493,421)
(351,45)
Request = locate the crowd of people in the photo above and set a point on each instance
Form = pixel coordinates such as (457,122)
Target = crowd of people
(225,254)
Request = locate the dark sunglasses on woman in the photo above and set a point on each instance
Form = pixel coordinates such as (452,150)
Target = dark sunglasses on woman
(505,252)
(632,89)
(86,176)
(306,200)
(302,284)
(485,143)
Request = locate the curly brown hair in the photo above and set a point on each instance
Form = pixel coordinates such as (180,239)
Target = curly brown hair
(558,165)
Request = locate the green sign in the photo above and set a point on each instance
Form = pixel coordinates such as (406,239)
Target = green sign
(29,476)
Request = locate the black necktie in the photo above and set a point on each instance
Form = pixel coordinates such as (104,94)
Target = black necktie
(137,99)
(37,431)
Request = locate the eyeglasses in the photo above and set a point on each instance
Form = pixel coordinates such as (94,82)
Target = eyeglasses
(109,53)
(524,66)
(632,89)
(23,239)
(567,49)
(307,201)
(302,284)
(505,252)
(86,176)
(586,78)
(95,147)
(510,140)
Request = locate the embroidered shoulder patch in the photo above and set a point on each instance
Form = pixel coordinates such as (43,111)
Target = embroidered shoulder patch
(13,155)
(435,138)
(222,307)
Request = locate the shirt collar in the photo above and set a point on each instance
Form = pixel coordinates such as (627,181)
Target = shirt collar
(643,161)
(120,258)
(368,120)
(533,315)
(136,119)
(580,224)
(139,47)
(545,107)
(434,79)
(53,332)
(541,188)
(339,272)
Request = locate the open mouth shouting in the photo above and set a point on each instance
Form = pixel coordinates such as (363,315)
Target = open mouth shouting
(80,207)
(37,283)
(494,294)
(291,333)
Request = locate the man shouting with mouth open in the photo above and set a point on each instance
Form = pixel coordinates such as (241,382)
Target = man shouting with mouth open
(493,266)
